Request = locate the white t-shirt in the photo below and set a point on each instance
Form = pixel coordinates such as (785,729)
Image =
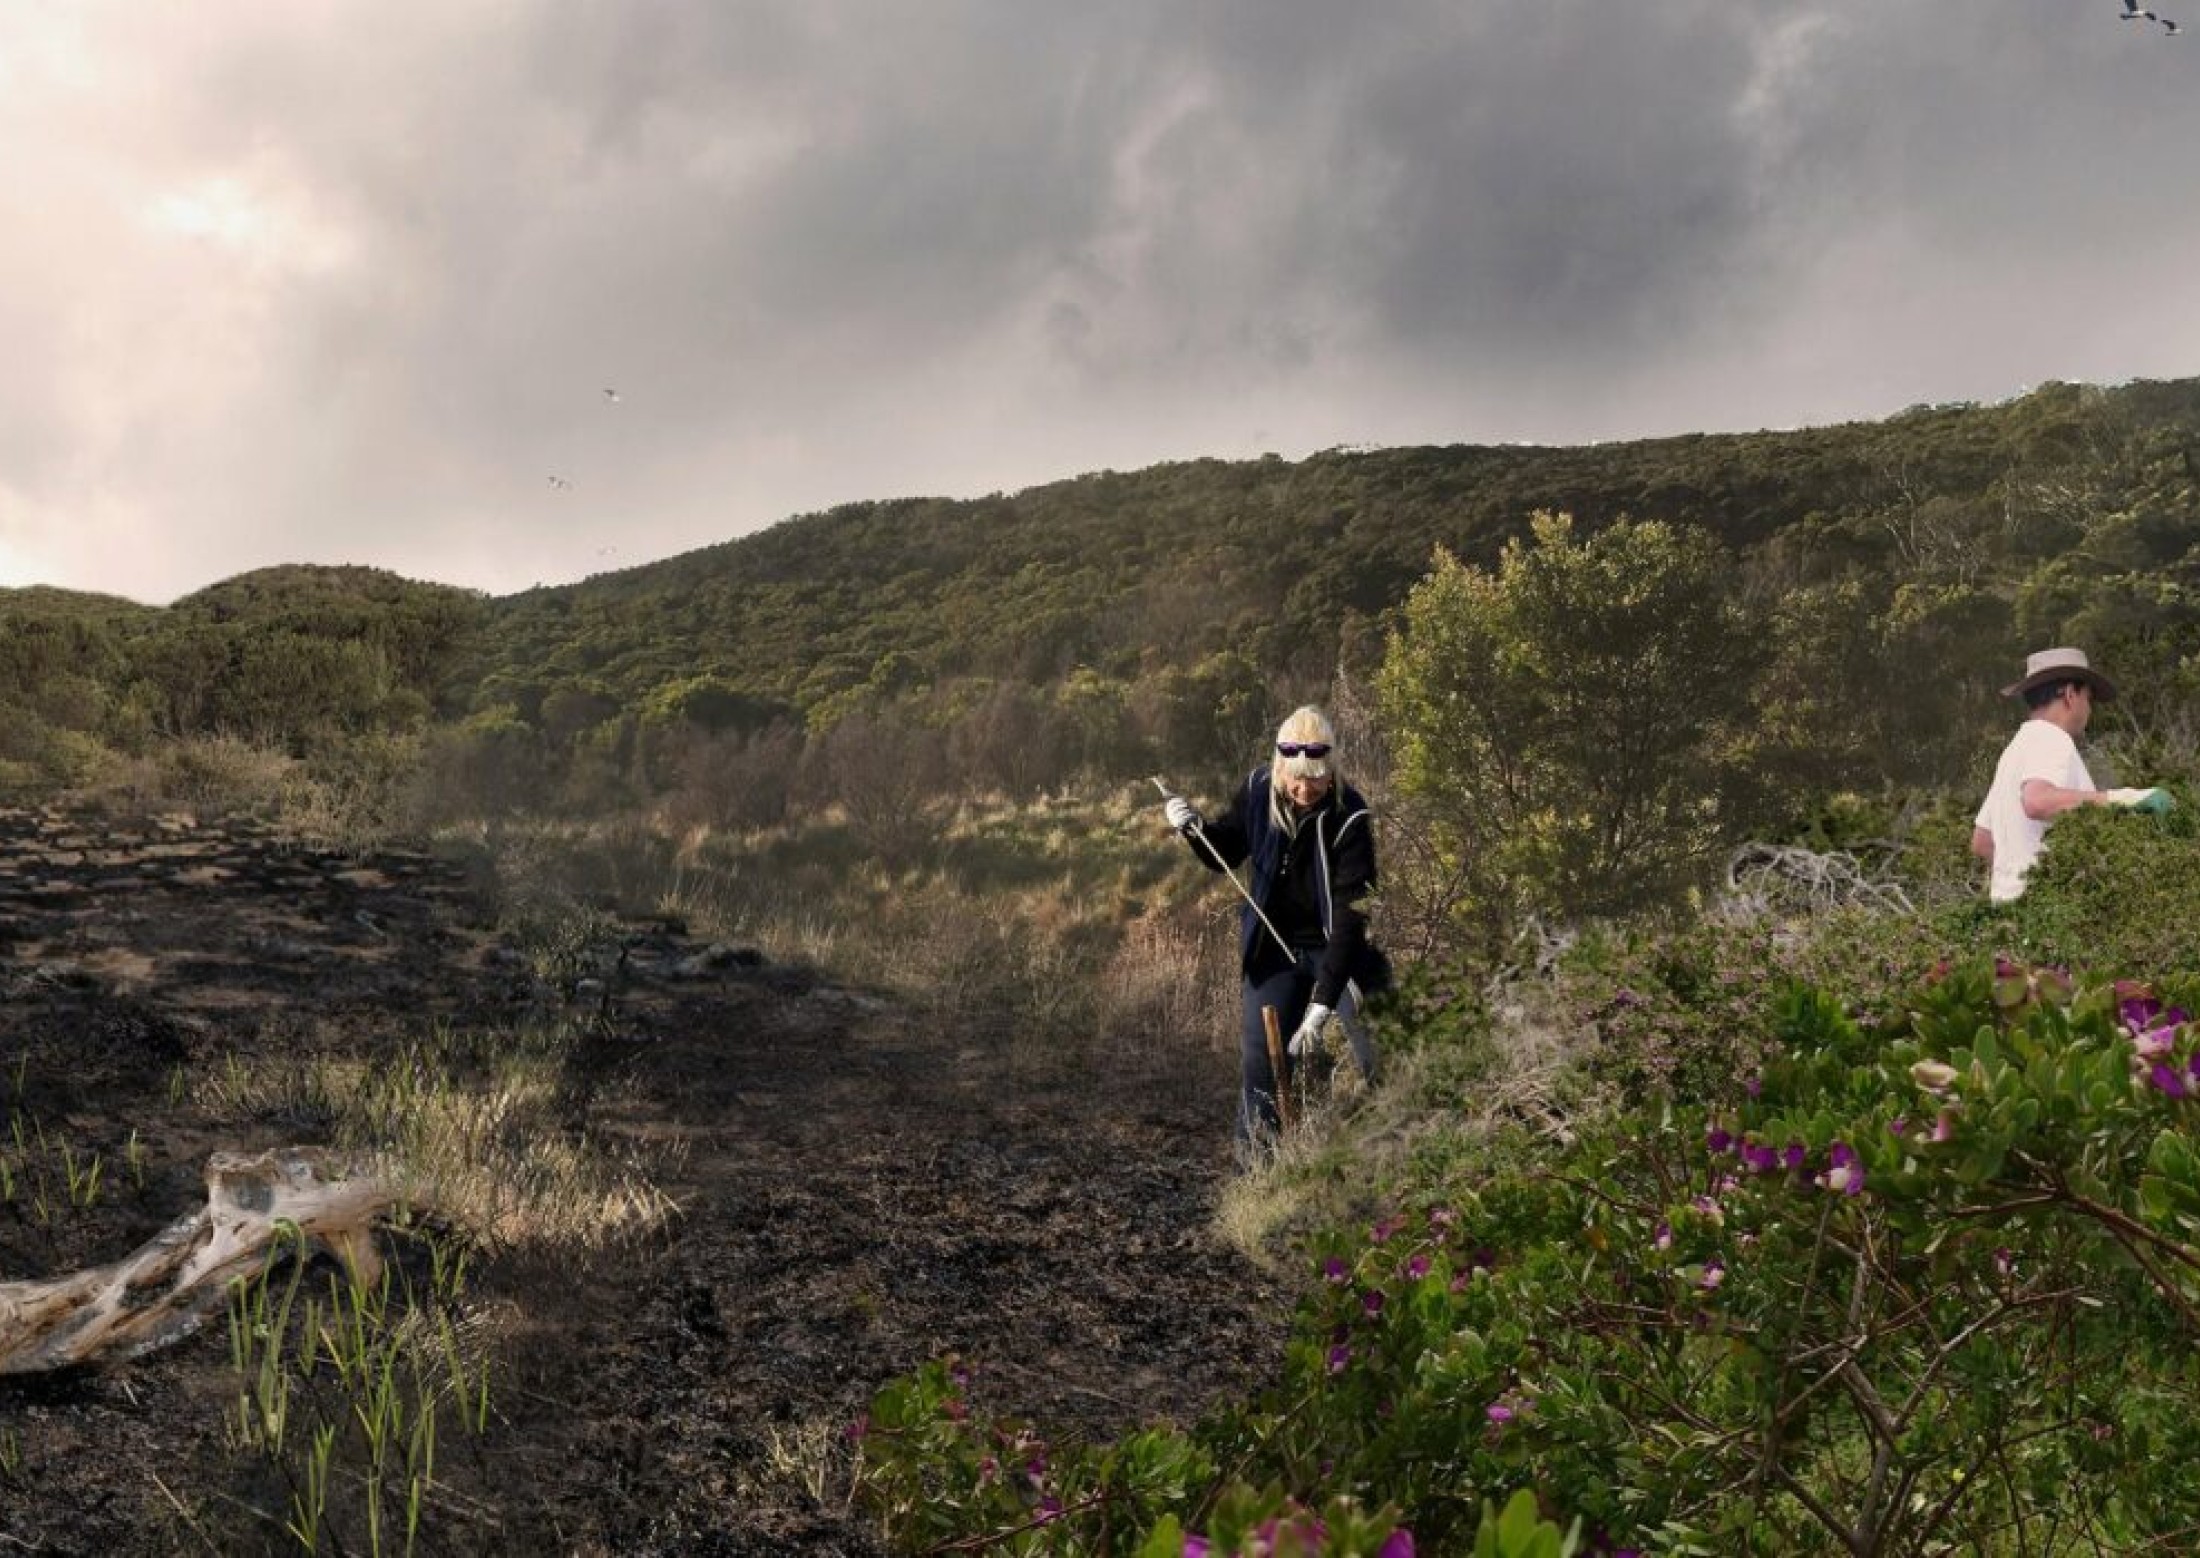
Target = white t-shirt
(2039,750)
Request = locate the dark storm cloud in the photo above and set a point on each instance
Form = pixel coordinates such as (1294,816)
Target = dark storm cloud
(338,282)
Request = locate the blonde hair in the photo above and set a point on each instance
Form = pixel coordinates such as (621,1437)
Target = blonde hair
(1305,723)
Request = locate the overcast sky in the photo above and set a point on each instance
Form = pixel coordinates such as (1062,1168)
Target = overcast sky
(328,281)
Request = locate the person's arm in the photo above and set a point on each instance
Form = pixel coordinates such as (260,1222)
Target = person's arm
(1982,845)
(1228,834)
(2043,799)
(1351,884)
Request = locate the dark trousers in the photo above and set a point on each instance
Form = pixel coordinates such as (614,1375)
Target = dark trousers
(1287,990)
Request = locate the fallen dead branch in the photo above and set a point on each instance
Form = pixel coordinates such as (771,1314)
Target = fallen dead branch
(167,1287)
(1771,878)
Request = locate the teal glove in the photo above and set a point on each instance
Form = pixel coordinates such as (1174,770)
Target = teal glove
(2153,799)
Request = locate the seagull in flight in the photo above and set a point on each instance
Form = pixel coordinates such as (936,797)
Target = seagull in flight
(2134,12)
(561,484)
(611,395)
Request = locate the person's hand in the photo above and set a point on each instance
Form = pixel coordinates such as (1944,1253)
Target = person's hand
(1308,1040)
(1182,815)
(2153,798)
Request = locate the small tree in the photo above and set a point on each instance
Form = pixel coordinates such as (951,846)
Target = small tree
(1570,720)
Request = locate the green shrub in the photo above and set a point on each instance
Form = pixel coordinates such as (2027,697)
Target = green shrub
(2114,890)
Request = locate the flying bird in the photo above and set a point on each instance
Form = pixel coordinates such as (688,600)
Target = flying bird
(611,395)
(561,484)
(2134,12)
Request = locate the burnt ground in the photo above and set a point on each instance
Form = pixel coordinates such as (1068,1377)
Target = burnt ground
(860,1190)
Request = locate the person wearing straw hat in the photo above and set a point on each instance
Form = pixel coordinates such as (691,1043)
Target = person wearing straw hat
(2041,775)
(1302,940)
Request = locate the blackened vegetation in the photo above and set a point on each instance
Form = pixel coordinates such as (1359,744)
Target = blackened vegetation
(859,1191)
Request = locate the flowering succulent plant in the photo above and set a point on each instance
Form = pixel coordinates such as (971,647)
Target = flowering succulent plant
(1808,1317)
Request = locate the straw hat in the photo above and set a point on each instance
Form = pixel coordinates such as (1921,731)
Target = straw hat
(2060,665)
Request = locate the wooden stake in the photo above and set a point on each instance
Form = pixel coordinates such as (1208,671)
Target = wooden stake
(1275,1065)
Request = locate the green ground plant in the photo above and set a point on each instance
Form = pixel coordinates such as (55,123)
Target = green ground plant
(344,1385)
(1905,1288)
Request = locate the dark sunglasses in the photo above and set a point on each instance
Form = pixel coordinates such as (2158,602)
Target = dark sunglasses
(1302,748)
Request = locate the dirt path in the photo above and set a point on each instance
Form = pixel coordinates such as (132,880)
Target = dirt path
(860,1191)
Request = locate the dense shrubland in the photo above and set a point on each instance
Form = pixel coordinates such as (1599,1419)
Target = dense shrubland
(1784,1201)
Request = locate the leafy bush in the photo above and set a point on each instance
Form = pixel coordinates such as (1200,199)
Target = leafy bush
(1904,1288)
(2113,890)
(1532,711)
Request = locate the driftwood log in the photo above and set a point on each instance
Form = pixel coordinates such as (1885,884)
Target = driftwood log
(168,1287)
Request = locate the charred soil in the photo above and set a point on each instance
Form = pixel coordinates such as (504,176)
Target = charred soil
(859,1189)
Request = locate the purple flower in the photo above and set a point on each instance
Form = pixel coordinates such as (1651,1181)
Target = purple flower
(1759,1158)
(1499,1413)
(1843,1172)
(1335,1270)
(1050,1509)
(1935,1076)
(2157,1040)
(1372,1302)
(1399,1544)
(1340,1358)
(1714,1273)
(1944,1128)
(1382,1231)
(2167,1079)
(1195,1547)
(1897,1125)
(1417,1268)
(1661,1238)
(1709,1208)
(2138,1011)
(1795,1155)
(1718,1139)
(2004,1263)
(1441,1217)
(1754,1086)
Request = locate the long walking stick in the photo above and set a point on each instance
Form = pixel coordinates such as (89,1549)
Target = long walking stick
(1200,833)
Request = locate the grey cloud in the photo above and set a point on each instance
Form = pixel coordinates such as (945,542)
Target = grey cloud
(833,250)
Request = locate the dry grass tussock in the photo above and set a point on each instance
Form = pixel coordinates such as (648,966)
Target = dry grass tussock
(478,1141)
(1434,1121)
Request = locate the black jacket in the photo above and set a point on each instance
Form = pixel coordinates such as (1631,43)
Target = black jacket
(1314,886)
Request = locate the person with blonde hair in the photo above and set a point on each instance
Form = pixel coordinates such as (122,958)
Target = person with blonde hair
(1302,933)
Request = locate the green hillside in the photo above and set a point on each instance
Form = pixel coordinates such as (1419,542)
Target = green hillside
(1279,559)
(1116,620)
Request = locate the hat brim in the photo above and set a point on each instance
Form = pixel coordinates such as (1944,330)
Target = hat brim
(2104,690)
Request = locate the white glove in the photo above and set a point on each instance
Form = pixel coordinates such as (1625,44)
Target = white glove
(1308,1040)
(1181,814)
(2153,798)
